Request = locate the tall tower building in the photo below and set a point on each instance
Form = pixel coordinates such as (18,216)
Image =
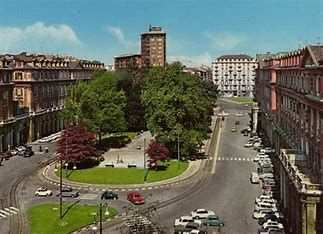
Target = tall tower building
(153,47)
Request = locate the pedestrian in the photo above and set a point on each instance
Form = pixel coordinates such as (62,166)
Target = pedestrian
(46,149)
(40,148)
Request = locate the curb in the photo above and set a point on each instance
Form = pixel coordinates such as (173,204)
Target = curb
(116,188)
(135,187)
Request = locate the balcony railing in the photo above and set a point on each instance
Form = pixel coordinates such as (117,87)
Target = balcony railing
(294,163)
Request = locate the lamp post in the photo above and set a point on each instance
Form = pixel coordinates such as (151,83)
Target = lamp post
(178,152)
(66,165)
(60,188)
(101,213)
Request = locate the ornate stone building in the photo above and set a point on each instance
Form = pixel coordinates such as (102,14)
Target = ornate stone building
(234,74)
(290,96)
(38,86)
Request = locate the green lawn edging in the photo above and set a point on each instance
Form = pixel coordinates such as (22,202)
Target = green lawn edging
(44,218)
(101,175)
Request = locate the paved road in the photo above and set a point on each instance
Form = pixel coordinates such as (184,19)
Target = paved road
(10,171)
(228,192)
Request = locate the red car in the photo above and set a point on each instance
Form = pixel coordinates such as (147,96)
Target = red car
(136,198)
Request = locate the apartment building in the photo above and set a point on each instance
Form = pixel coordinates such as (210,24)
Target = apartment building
(234,74)
(38,86)
(204,72)
(127,61)
(290,97)
(153,47)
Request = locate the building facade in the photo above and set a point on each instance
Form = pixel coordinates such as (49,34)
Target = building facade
(153,47)
(234,75)
(127,61)
(39,85)
(290,96)
(204,72)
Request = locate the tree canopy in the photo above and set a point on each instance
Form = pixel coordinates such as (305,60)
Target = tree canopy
(98,104)
(156,152)
(176,104)
(76,144)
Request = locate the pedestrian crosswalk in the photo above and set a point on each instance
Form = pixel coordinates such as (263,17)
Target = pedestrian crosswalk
(234,159)
(8,211)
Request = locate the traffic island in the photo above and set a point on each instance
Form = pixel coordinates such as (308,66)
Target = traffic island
(45,218)
(126,176)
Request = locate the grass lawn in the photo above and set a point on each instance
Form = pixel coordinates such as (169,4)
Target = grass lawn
(243,100)
(44,218)
(99,175)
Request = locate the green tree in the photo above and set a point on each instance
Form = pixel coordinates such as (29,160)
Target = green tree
(72,111)
(131,82)
(102,105)
(176,104)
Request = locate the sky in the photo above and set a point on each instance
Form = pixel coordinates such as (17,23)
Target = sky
(198,31)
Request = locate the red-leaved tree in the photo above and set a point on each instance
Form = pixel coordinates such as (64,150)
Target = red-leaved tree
(76,144)
(156,152)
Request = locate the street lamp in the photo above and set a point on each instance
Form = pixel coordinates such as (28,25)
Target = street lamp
(60,188)
(100,213)
(178,150)
(66,165)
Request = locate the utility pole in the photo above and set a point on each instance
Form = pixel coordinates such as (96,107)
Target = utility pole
(101,217)
(60,189)
(144,153)
(178,153)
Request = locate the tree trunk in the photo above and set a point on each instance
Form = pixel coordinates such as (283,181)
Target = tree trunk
(100,137)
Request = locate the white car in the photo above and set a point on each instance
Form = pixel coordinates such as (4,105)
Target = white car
(272,224)
(261,197)
(43,192)
(248,145)
(264,206)
(262,213)
(239,114)
(201,213)
(266,175)
(254,178)
(271,201)
(185,220)
(267,150)
(261,158)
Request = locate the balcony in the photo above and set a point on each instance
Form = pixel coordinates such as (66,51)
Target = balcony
(294,163)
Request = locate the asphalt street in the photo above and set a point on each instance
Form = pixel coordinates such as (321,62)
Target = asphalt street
(13,169)
(228,192)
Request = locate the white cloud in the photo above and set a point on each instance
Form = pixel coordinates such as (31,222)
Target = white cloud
(225,40)
(38,37)
(118,34)
(195,60)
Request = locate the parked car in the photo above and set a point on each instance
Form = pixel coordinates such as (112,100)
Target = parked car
(233,129)
(272,224)
(254,178)
(201,213)
(248,145)
(261,197)
(43,192)
(263,206)
(136,198)
(213,220)
(109,195)
(272,217)
(183,220)
(262,213)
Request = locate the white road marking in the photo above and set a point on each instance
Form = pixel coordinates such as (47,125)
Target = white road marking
(4,212)
(10,211)
(222,125)
(14,208)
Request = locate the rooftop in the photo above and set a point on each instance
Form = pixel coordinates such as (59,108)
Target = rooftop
(235,56)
